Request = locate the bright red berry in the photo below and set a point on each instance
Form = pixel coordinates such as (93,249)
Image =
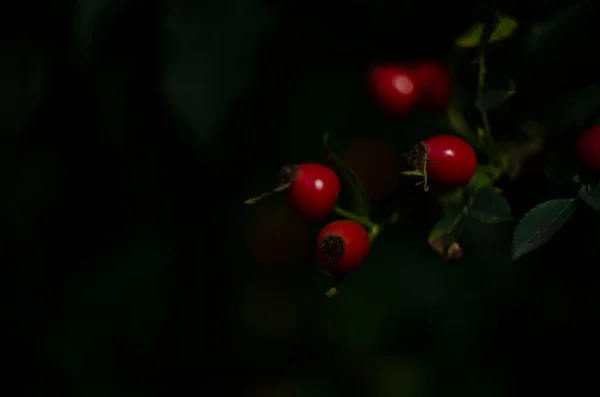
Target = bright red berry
(447,159)
(394,88)
(435,82)
(313,189)
(342,247)
(588,148)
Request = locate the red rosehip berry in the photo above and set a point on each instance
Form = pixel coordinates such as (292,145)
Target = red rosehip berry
(435,82)
(342,247)
(588,148)
(313,190)
(310,189)
(394,87)
(446,159)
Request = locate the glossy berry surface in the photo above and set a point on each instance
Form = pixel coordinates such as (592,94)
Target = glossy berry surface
(435,82)
(588,148)
(313,190)
(451,161)
(394,88)
(342,247)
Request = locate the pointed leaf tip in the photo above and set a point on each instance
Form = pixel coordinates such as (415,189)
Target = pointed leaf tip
(471,38)
(489,206)
(492,99)
(540,224)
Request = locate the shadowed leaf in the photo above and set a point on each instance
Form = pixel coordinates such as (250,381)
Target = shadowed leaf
(444,234)
(515,153)
(540,224)
(459,125)
(492,99)
(490,206)
(579,108)
(471,38)
(591,196)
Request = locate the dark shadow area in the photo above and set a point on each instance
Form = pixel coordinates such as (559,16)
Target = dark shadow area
(132,132)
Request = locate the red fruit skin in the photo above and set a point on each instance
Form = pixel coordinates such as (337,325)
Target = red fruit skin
(356,247)
(435,80)
(588,148)
(394,88)
(313,192)
(451,161)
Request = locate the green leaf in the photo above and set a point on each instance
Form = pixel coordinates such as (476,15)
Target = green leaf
(361,200)
(459,124)
(540,224)
(456,197)
(471,38)
(448,227)
(489,206)
(482,178)
(444,234)
(490,23)
(591,196)
(515,153)
(492,99)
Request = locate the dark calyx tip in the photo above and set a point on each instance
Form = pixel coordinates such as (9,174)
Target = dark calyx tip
(286,177)
(333,247)
(287,174)
(418,156)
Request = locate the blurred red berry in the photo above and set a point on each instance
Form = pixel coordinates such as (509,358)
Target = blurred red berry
(588,148)
(342,247)
(435,82)
(394,88)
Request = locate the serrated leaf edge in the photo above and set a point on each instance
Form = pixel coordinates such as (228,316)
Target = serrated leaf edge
(518,252)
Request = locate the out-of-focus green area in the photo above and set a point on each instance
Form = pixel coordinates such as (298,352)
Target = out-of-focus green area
(132,132)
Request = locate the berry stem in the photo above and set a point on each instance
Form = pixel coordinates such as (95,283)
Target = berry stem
(487,138)
(485,134)
(278,189)
(373,227)
(360,198)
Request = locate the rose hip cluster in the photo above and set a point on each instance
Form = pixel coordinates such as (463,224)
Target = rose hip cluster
(311,190)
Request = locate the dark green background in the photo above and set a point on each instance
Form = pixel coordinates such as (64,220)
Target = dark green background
(131,134)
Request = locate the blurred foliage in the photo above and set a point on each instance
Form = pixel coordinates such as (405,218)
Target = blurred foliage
(132,131)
